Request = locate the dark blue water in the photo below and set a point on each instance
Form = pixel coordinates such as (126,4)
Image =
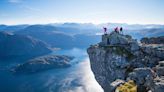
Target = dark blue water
(77,78)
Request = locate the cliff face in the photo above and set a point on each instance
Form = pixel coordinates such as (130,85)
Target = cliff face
(121,57)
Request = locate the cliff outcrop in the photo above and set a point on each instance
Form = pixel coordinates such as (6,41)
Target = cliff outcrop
(121,58)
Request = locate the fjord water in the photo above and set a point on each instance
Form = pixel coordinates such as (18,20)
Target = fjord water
(77,78)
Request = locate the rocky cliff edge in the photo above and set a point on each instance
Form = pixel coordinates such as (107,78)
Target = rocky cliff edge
(121,58)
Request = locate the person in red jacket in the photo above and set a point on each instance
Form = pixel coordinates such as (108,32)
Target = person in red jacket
(116,30)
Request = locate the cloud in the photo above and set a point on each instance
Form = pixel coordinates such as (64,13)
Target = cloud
(14,1)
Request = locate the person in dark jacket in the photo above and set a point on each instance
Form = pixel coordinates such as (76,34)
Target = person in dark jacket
(105,30)
(121,30)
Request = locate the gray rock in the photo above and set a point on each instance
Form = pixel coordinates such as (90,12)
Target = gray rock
(144,78)
(160,68)
(158,85)
(154,50)
(115,84)
(121,57)
(140,74)
(134,46)
(107,69)
(161,63)
(160,71)
(115,39)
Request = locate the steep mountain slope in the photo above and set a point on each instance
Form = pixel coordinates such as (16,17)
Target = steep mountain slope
(49,35)
(16,45)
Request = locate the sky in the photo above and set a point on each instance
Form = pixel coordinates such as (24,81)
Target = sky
(81,11)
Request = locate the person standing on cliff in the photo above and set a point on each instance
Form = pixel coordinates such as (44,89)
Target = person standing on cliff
(116,30)
(121,30)
(105,30)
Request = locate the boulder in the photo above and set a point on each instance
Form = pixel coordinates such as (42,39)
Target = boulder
(154,50)
(115,84)
(139,75)
(134,46)
(160,68)
(161,63)
(158,85)
(143,78)
(160,71)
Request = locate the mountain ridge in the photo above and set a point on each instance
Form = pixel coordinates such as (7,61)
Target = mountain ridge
(17,45)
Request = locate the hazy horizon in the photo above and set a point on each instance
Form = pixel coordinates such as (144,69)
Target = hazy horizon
(77,23)
(14,12)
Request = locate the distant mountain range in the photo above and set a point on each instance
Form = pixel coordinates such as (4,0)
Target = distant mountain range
(24,39)
(84,28)
(59,36)
(12,28)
